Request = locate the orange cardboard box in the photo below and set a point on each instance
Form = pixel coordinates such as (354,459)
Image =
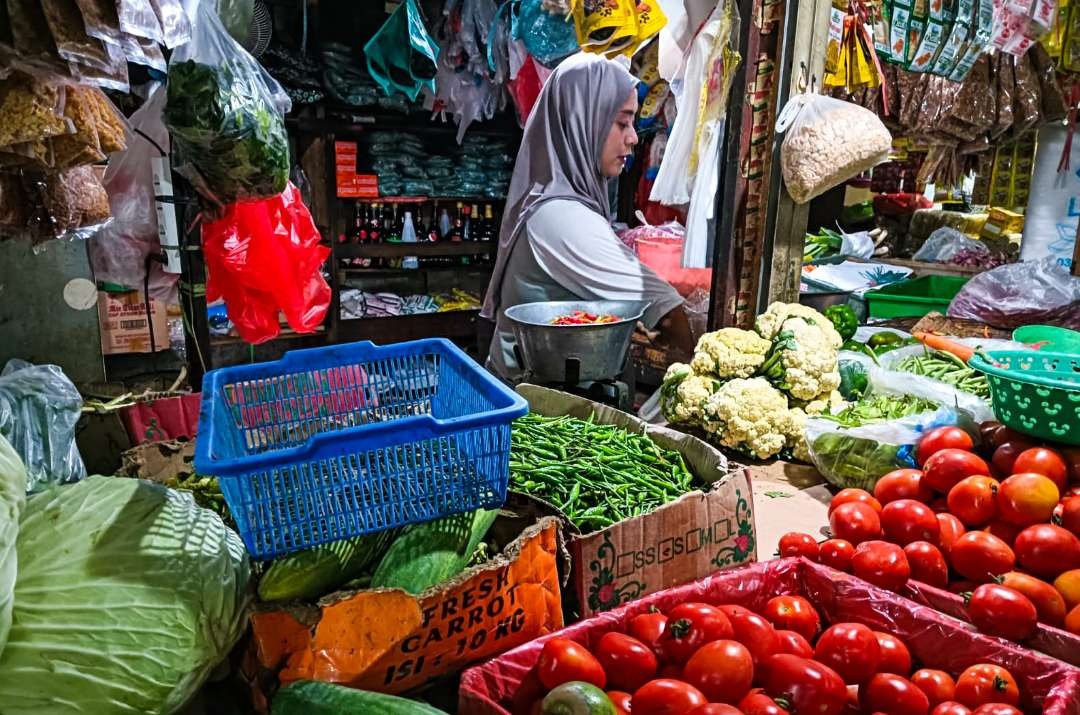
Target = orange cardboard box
(392,641)
(122,322)
(682,541)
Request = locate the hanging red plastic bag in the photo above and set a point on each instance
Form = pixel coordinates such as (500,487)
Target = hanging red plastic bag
(263,257)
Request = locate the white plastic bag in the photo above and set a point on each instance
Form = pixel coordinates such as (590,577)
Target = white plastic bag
(857,245)
(944,243)
(828,141)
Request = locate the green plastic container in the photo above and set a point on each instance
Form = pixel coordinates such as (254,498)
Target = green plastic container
(1049,337)
(914,298)
(1034,392)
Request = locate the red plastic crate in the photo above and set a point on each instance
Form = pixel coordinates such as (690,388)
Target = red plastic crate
(507,685)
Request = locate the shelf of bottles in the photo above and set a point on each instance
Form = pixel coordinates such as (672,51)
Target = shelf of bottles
(412,233)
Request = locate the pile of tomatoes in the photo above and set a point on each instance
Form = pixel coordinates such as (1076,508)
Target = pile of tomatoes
(1004,532)
(699,659)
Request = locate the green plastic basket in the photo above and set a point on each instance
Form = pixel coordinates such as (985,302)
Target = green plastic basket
(1034,392)
(1049,337)
(914,298)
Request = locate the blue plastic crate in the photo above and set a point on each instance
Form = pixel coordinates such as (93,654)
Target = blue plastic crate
(335,442)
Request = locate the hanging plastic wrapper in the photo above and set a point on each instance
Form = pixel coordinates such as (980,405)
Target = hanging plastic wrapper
(402,56)
(548,37)
(39,408)
(265,257)
(225,116)
(616,27)
(828,141)
(123,252)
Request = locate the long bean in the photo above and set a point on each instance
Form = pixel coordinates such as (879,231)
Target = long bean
(949,369)
(596,474)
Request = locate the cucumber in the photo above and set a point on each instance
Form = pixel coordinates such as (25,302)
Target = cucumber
(315,572)
(577,698)
(312,697)
(430,553)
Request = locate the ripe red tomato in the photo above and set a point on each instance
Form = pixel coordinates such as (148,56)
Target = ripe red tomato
(1027,498)
(1070,514)
(1068,585)
(927,563)
(690,626)
(942,438)
(907,520)
(938,685)
(851,649)
(854,495)
(715,709)
(722,670)
(793,643)
(1048,602)
(882,564)
(974,500)
(628,662)
(903,484)
(563,660)
(757,702)
(986,683)
(621,701)
(1005,455)
(855,522)
(893,695)
(980,556)
(949,530)
(1044,461)
(666,696)
(1072,621)
(950,708)
(809,686)
(944,469)
(1002,611)
(1047,550)
(794,613)
(647,628)
(895,656)
(997,709)
(795,543)
(754,632)
(1003,530)
(837,553)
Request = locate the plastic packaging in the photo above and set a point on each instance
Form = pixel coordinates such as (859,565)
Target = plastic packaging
(401,55)
(119,252)
(137,17)
(71,32)
(944,243)
(39,408)
(827,142)
(175,22)
(264,257)
(1041,292)
(548,37)
(225,115)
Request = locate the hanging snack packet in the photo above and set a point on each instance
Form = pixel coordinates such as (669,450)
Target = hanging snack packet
(604,26)
(982,28)
(958,34)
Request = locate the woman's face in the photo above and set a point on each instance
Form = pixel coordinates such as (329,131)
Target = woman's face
(620,140)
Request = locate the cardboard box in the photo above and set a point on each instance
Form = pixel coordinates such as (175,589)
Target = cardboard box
(123,324)
(392,641)
(684,540)
(351,185)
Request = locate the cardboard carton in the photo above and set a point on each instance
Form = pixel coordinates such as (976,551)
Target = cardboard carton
(123,324)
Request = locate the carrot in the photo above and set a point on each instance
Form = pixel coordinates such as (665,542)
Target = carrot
(940,342)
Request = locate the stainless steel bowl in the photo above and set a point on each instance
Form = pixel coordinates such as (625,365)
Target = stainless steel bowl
(597,351)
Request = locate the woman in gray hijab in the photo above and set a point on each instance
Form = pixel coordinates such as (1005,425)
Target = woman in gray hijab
(556,240)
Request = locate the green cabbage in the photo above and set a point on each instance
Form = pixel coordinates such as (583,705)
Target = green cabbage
(127,595)
(12,500)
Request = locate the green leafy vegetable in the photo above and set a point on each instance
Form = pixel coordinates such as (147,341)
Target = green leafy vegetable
(12,501)
(127,596)
(849,461)
(227,130)
(878,408)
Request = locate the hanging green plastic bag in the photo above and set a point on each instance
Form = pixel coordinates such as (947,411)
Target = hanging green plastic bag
(402,56)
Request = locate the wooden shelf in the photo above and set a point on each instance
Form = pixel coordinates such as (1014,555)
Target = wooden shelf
(285,334)
(424,199)
(396,328)
(376,272)
(399,250)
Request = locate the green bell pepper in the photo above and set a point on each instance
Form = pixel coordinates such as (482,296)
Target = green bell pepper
(843,319)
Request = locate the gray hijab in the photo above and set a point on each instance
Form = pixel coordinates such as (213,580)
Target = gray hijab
(560,151)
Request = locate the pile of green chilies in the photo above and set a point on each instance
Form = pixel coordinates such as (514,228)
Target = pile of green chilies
(879,408)
(595,474)
(949,369)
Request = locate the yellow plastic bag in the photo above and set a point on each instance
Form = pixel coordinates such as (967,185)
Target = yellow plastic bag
(605,26)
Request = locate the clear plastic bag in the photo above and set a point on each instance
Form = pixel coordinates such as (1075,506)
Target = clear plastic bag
(1030,293)
(548,37)
(39,408)
(225,115)
(119,252)
(137,17)
(827,142)
(944,243)
(175,22)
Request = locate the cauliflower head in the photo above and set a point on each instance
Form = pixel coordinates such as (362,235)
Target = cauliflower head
(796,436)
(729,352)
(832,402)
(750,415)
(801,361)
(769,324)
(689,398)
